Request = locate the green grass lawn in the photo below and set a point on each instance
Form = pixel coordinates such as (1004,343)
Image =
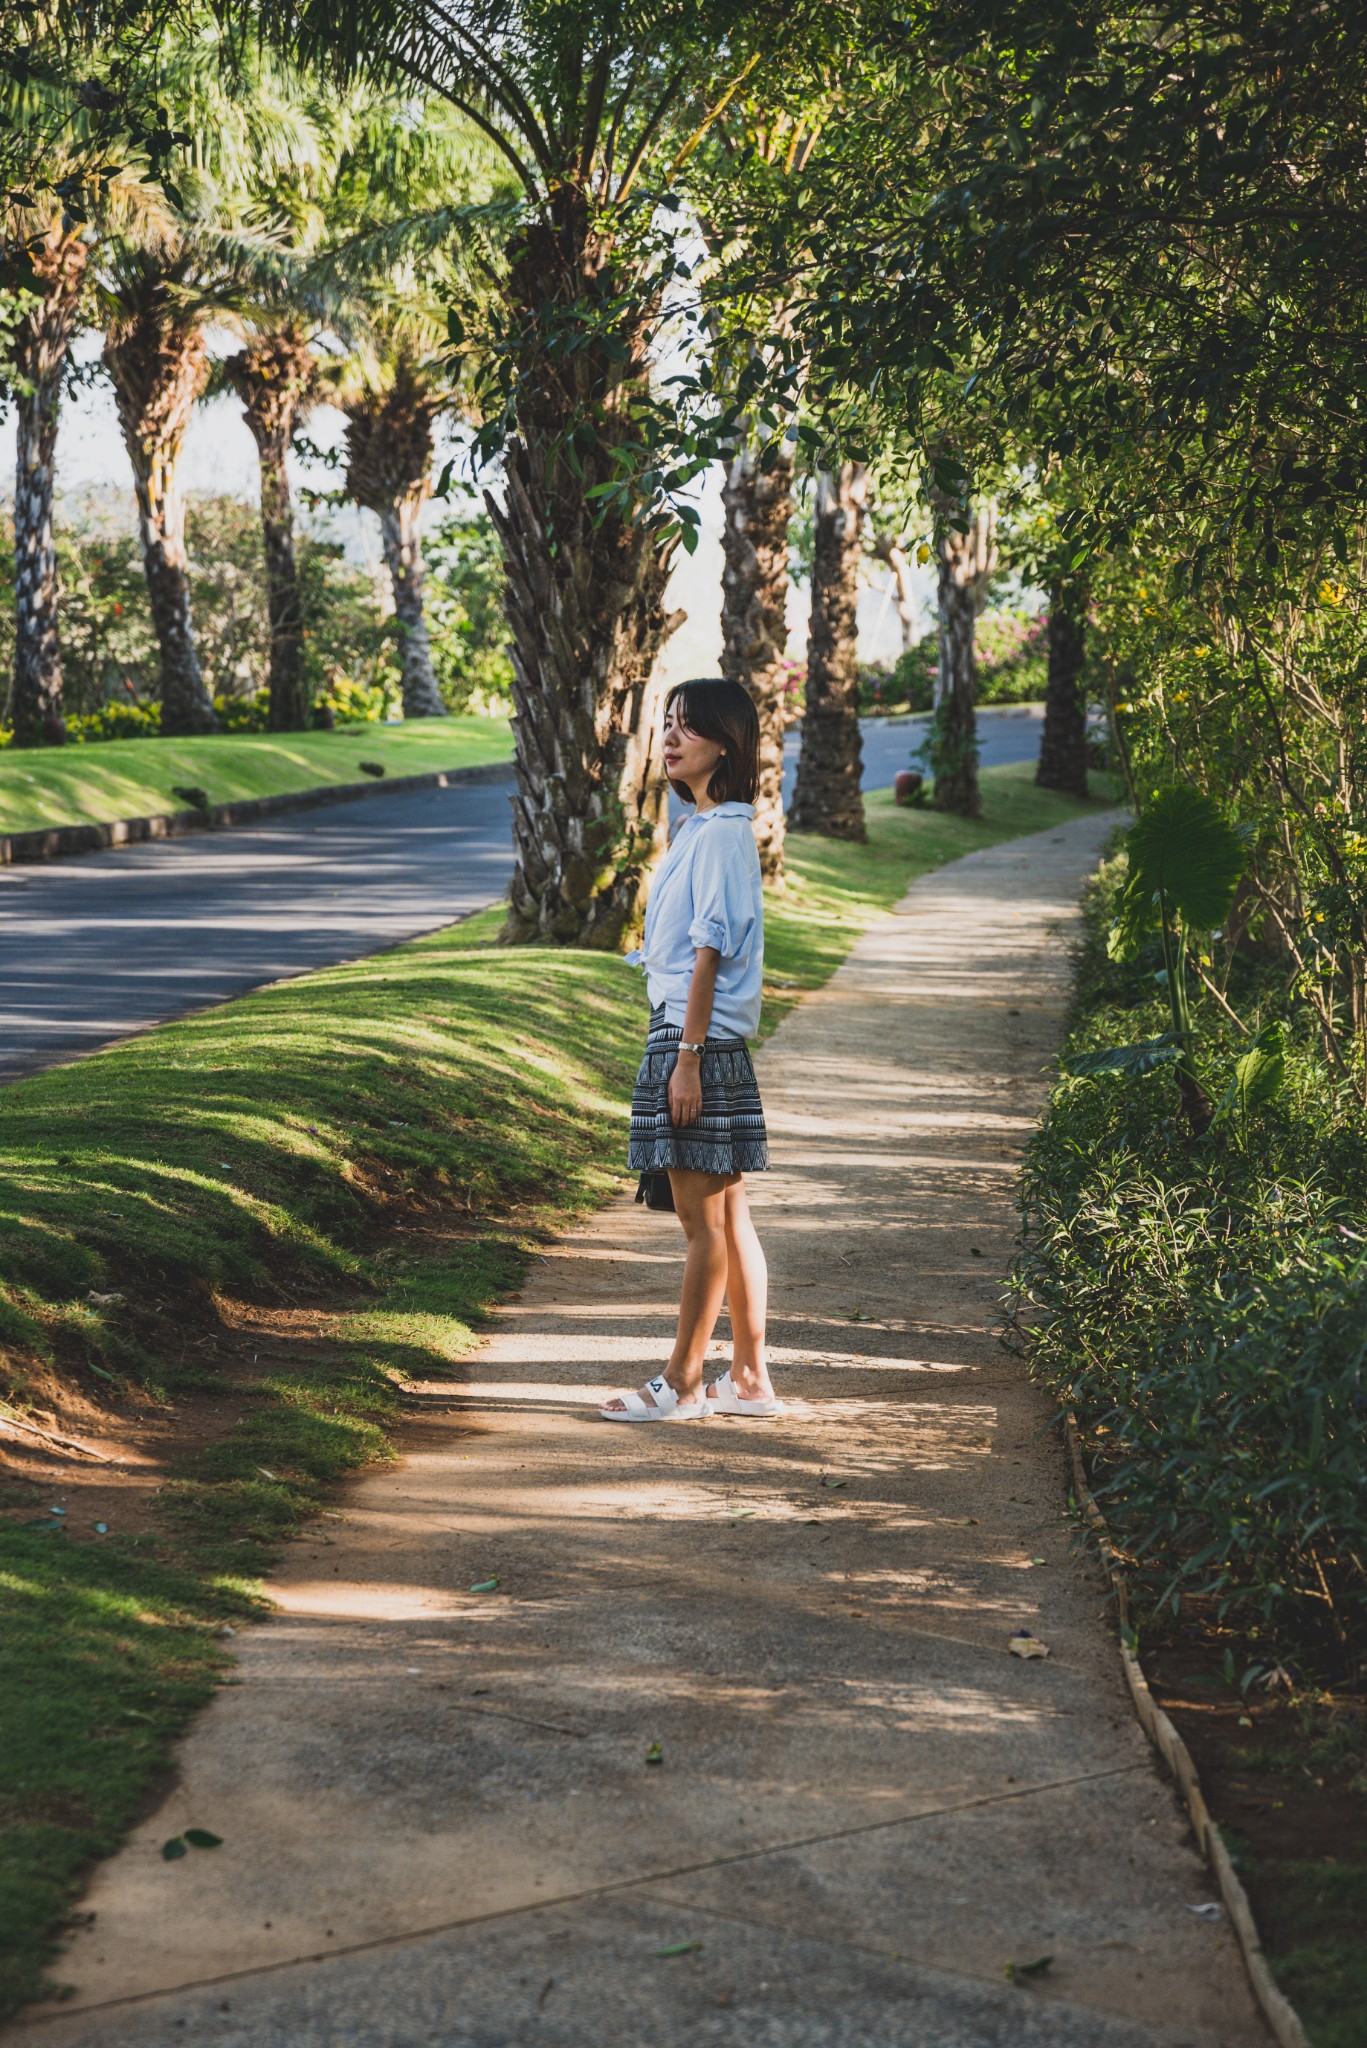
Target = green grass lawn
(137,778)
(381,1145)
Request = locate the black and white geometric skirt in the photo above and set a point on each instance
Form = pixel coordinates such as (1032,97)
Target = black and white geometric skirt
(729,1136)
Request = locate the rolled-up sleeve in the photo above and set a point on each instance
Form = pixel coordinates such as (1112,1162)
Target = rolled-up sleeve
(723,899)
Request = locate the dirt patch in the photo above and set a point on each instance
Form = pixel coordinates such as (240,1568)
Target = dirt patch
(1285,1777)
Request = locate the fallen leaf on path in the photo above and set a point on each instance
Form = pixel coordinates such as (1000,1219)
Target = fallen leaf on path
(1209,1911)
(1039,1560)
(172,1851)
(103,1300)
(655,1754)
(485,1586)
(267,1474)
(679,1948)
(1023,1644)
(200,1838)
(1020,1972)
(832,1483)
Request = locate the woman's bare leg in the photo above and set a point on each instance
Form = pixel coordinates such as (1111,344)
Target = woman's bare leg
(747,1294)
(700,1204)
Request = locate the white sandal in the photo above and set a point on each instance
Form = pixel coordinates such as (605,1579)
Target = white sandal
(721,1398)
(667,1407)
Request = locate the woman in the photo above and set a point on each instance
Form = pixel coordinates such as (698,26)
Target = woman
(696,1111)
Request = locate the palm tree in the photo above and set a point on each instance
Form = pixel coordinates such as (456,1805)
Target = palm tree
(967,554)
(42,348)
(202,264)
(757,508)
(160,292)
(828,798)
(51,142)
(389,470)
(595,108)
(1063,738)
(418,191)
(277,376)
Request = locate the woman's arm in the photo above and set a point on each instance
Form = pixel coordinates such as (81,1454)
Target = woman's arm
(685,1083)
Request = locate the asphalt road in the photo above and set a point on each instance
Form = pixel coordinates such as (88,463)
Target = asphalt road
(94,948)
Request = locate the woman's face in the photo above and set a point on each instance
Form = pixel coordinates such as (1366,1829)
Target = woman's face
(688,757)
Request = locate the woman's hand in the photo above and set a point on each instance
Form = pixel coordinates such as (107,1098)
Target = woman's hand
(685,1090)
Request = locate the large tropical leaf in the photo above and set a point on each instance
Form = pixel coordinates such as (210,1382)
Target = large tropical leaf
(1130,1060)
(1183,849)
(1260,1075)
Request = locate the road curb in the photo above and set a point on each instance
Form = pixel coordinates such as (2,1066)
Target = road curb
(57,842)
(1277,2009)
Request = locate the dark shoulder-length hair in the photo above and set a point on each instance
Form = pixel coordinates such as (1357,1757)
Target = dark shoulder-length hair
(717,709)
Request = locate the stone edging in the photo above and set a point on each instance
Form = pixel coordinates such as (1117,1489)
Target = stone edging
(53,842)
(1277,2008)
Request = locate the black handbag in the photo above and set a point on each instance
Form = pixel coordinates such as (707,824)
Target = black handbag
(655,1191)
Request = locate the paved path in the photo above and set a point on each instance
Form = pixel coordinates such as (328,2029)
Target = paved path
(94,948)
(440,1823)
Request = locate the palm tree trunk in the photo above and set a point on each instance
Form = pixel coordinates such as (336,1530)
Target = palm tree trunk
(828,797)
(966,560)
(588,619)
(403,555)
(41,342)
(159,370)
(585,601)
(389,462)
(1063,742)
(757,504)
(275,376)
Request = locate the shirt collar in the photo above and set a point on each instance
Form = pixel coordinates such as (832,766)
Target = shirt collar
(726,810)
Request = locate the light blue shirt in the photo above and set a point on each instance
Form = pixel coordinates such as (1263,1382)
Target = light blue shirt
(707,892)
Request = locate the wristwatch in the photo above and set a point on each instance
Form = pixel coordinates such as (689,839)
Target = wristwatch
(698,1046)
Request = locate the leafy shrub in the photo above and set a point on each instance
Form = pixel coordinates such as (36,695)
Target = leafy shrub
(110,660)
(1013,657)
(912,682)
(244,714)
(1013,664)
(465,615)
(1201,1306)
(119,720)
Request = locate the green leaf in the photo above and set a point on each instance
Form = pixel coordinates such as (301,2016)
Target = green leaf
(1145,1057)
(172,1851)
(679,1948)
(200,1838)
(1019,1972)
(485,1586)
(1182,848)
(1259,1076)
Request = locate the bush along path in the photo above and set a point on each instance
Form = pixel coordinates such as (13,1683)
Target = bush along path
(722,1731)
(231,1249)
(1199,1298)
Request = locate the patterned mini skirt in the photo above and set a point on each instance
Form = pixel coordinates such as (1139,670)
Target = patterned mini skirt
(729,1136)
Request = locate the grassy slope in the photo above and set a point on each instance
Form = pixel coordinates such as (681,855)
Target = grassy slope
(136,778)
(381,1141)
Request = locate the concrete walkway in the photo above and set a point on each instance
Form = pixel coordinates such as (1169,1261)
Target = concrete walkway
(441,1824)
